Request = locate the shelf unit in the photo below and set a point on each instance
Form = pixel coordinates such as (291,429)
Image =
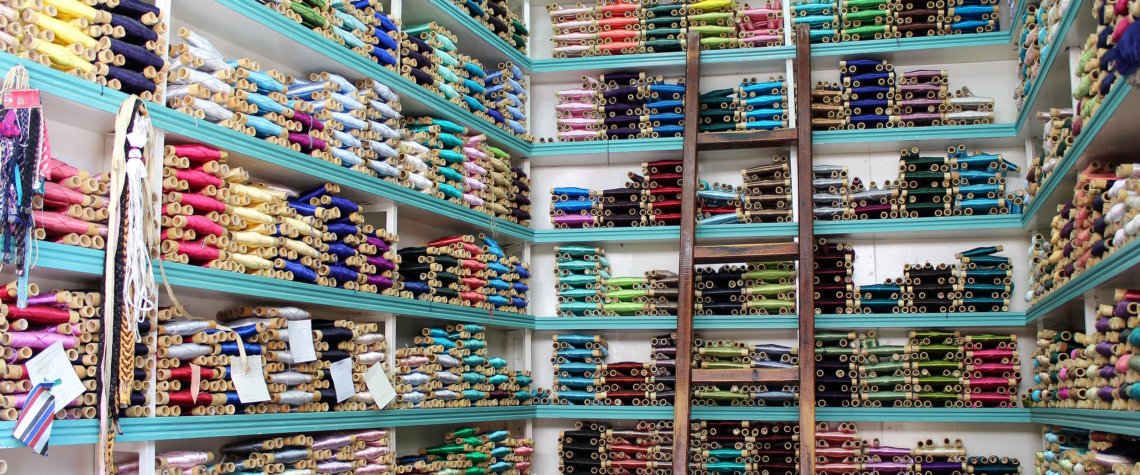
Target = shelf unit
(249,20)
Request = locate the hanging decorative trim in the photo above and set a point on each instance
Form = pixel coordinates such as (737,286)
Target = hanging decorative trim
(33,428)
(24,152)
(131,291)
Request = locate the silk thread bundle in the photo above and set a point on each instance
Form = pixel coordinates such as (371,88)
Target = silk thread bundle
(471,451)
(1037,37)
(497,16)
(979,282)
(1071,451)
(585,287)
(751,105)
(606,29)
(718,447)
(1056,138)
(70,317)
(1093,370)
(1100,218)
(431,59)
(871,94)
(843,450)
(367,452)
(359,25)
(73,208)
(451,366)
(1096,70)
(759,288)
(455,270)
(958,184)
(621,105)
(604,449)
(24,166)
(582,376)
(115,44)
(212,346)
(931,369)
(727,354)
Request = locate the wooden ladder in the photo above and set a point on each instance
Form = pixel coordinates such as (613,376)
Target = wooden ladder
(801,250)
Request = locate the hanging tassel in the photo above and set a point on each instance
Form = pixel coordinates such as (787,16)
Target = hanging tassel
(1125,57)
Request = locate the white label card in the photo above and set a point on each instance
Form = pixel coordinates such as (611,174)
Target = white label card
(195,381)
(379,385)
(249,379)
(342,379)
(301,341)
(51,365)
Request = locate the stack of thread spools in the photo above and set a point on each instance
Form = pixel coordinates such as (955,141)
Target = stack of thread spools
(366,451)
(832,21)
(457,271)
(957,184)
(116,44)
(743,447)
(586,288)
(1095,370)
(932,369)
(582,375)
(505,100)
(836,357)
(71,318)
(843,450)
(1095,71)
(469,450)
(870,94)
(720,354)
(73,207)
(765,196)
(761,288)
(602,448)
(751,105)
(979,282)
(1037,38)
(1056,138)
(621,105)
(634,27)
(1099,219)
(294,385)
(497,16)
(450,367)
(652,198)
(237,94)
(363,119)
(359,25)
(1072,451)
(518,200)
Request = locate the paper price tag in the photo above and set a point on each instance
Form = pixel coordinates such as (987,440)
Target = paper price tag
(379,385)
(249,379)
(342,379)
(195,381)
(301,341)
(51,365)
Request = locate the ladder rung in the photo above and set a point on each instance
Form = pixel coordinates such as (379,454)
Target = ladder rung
(753,375)
(750,139)
(781,251)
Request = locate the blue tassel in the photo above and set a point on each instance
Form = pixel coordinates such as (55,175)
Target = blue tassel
(1125,57)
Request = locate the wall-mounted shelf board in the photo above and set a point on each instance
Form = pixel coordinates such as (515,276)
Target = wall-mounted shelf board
(591,412)
(1118,266)
(785,322)
(288,42)
(63,432)
(663,233)
(985,415)
(1117,422)
(980,226)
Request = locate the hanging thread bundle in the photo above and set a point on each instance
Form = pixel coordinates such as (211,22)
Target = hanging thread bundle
(958,184)
(497,16)
(743,447)
(722,354)
(430,57)
(359,25)
(582,375)
(469,450)
(115,44)
(72,318)
(870,94)
(455,270)
(451,366)
(211,348)
(621,105)
(979,282)
(603,448)
(931,369)
(1072,451)
(1102,216)
(1094,370)
(585,286)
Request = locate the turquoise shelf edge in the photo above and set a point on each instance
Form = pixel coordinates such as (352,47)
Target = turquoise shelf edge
(923,320)
(405,87)
(1046,63)
(569,411)
(731,413)
(68,258)
(66,86)
(454,11)
(973,40)
(790,414)
(1122,260)
(1089,131)
(63,432)
(908,225)
(700,322)
(1117,422)
(214,280)
(924,414)
(191,427)
(662,233)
